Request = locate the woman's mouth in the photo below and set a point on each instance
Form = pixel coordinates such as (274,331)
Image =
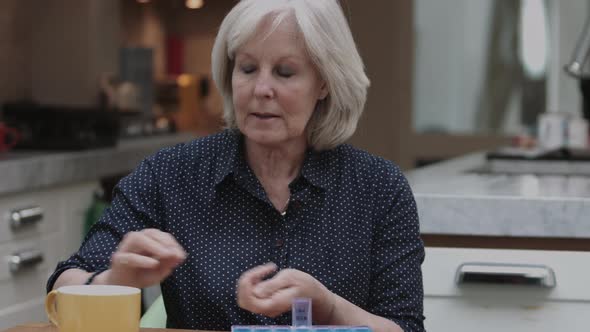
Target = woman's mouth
(265,116)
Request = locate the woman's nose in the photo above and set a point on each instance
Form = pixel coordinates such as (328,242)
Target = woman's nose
(263,87)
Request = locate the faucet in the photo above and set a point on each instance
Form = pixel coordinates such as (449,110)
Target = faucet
(582,50)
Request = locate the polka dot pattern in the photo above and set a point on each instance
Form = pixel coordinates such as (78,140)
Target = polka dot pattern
(351,223)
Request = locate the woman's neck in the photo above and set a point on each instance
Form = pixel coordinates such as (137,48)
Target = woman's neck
(275,162)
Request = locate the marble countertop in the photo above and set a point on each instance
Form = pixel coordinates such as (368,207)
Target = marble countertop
(28,170)
(453,199)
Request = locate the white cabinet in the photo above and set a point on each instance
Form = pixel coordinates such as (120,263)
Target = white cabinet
(503,303)
(37,229)
(28,312)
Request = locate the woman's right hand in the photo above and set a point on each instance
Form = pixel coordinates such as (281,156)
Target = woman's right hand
(143,259)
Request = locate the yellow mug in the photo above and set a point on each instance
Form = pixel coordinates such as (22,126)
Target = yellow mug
(94,308)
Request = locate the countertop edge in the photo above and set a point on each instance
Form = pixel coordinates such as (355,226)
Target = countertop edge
(25,171)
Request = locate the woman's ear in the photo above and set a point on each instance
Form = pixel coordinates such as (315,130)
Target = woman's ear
(323,91)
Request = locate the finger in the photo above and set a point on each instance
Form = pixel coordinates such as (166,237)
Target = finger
(268,287)
(256,274)
(140,243)
(277,304)
(168,241)
(281,300)
(133,260)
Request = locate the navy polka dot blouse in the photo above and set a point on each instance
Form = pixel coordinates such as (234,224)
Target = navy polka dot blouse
(351,223)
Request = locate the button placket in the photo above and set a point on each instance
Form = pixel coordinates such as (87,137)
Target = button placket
(279,241)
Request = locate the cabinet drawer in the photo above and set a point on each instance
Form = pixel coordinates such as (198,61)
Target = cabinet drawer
(572,272)
(482,315)
(28,281)
(25,214)
(506,305)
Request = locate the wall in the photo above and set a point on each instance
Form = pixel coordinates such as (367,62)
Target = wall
(72,43)
(55,51)
(451,38)
(382,31)
(15,44)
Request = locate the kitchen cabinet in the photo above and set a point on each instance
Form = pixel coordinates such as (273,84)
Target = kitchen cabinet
(43,201)
(518,219)
(37,229)
(504,303)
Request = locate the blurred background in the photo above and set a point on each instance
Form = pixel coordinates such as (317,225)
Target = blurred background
(470,98)
(466,73)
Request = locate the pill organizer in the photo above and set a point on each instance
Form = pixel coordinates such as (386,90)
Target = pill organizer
(288,328)
(301,322)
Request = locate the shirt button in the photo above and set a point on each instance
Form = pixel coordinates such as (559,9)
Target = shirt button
(279,243)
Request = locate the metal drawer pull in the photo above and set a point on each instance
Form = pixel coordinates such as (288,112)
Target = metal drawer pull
(23,217)
(505,274)
(24,259)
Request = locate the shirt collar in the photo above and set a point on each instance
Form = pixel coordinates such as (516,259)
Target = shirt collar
(318,168)
(229,160)
(317,165)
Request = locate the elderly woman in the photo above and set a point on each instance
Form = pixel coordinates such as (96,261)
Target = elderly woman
(236,225)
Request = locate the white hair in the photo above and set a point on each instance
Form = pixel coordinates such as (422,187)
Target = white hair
(331,48)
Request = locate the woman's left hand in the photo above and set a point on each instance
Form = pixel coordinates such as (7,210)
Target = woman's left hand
(272,297)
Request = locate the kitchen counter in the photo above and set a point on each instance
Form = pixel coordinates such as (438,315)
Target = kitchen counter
(28,170)
(453,199)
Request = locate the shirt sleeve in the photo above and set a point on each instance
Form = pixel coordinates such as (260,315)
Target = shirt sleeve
(397,254)
(135,206)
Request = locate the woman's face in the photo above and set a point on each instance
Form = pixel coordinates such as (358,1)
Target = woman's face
(275,86)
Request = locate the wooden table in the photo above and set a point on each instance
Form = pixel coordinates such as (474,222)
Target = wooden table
(45,327)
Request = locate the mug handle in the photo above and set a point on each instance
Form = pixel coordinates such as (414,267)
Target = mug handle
(50,307)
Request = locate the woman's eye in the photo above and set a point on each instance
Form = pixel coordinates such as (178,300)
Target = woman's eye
(247,69)
(285,72)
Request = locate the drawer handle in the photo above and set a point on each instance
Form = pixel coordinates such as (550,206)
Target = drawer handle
(506,274)
(25,259)
(24,217)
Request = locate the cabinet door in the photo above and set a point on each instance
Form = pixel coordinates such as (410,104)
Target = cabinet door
(507,305)
(447,314)
(37,247)
(76,200)
(36,258)
(29,312)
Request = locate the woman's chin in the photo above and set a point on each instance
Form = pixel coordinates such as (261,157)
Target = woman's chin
(265,138)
